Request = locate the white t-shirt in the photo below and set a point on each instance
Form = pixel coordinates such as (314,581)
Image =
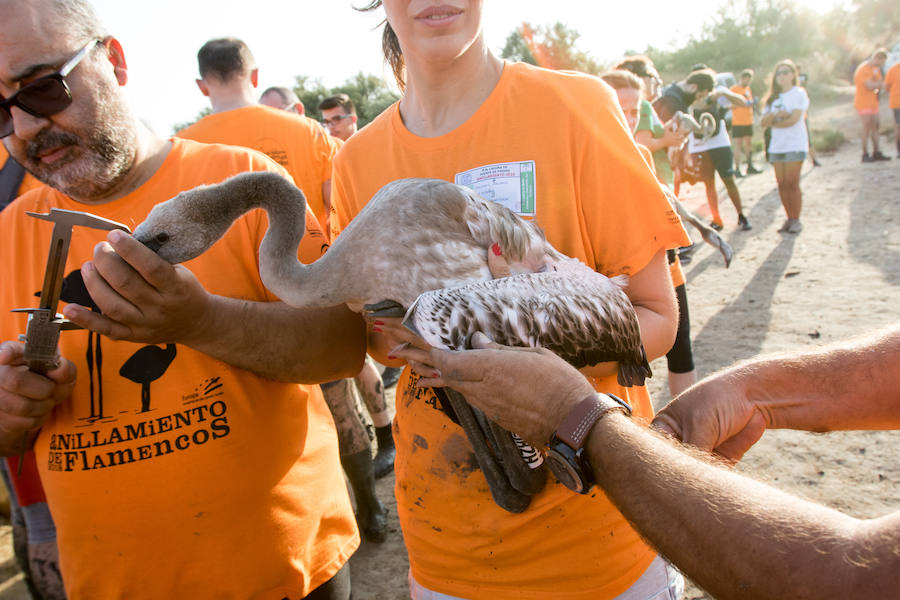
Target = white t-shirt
(721,139)
(793,138)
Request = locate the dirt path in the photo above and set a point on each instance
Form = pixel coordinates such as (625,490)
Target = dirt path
(838,278)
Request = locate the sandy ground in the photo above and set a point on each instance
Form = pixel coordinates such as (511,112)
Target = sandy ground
(836,279)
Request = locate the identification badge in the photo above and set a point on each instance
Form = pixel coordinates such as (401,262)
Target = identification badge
(510,184)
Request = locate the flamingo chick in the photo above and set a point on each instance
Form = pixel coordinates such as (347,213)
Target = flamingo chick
(413,236)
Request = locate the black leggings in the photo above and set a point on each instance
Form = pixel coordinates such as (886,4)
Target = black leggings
(336,588)
(681,357)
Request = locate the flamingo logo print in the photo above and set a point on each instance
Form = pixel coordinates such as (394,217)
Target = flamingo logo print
(146,366)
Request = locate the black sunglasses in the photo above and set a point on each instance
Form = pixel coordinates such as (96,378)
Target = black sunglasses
(334,120)
(44,96)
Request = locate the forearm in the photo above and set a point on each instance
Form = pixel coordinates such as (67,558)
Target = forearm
(735,98)
(795,116)
(283,343)
(852,385)
(735,537)
(659,324)
(653,296)
(646,139)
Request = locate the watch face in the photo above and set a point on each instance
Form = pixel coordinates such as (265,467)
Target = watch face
(565,472)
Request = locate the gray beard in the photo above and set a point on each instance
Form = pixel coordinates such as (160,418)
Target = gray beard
(102,155)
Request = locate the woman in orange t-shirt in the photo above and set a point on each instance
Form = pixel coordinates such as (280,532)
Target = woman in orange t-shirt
(554,147)
(680,358)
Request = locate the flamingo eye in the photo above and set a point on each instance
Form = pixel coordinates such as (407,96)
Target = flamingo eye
(162,238)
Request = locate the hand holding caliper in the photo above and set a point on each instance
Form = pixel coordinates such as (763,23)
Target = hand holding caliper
(44,324)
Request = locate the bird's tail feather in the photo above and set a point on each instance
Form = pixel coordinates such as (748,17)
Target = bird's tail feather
(633,373)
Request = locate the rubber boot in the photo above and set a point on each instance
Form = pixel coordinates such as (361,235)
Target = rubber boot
(371,515)
(384,458)
(390,376)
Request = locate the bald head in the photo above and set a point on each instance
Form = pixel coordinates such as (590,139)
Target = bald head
(73,19)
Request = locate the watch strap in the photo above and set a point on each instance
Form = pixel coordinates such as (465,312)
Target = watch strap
(575,427)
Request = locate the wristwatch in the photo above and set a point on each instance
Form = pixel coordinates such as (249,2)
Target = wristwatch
(565,452)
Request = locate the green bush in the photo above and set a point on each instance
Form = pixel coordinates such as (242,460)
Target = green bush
(827,140)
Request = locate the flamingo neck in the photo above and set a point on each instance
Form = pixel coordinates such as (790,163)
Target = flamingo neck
(281,271)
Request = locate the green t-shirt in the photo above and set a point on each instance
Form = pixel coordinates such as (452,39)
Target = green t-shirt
(648,121)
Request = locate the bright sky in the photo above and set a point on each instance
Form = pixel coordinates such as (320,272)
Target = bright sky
(328,40)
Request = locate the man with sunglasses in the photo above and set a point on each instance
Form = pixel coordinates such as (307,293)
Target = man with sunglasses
(339,116)
(169,450)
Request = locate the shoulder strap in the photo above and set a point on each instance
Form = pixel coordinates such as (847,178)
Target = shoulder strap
(11,176)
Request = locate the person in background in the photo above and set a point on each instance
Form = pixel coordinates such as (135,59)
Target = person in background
(467,116)
(651,133)
(680,358)
(892,85)
(718,149)
(784,107)
(737,538)
(742,124)
(228,77)
(869,81)
(716,154)
(283,98)
(339,116)
(183,474)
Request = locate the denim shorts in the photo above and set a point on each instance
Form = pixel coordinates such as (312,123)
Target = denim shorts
(775,157)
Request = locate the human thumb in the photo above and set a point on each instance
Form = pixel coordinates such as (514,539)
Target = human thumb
(664,425)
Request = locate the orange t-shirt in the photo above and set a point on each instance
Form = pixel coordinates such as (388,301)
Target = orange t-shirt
(297,143)
(742,115)
(579,174)
(171,474)
(892,81)
(865,98)
(28,182)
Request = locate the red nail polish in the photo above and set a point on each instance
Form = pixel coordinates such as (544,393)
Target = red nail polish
(496,249)
(391,356)
(377,329)
(378,322)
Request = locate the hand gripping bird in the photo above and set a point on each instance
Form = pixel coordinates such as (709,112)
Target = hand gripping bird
(417,236)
